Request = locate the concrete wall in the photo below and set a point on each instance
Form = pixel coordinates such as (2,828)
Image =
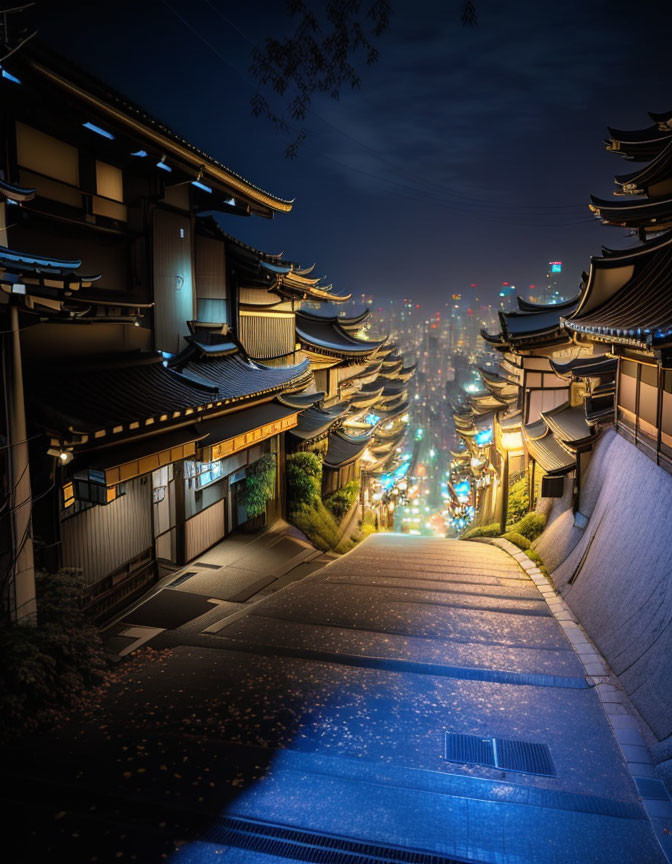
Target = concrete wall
(621,566)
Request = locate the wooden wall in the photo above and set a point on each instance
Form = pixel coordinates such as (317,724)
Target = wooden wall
(211,291)
(267,335)
(205,529)
(102,538)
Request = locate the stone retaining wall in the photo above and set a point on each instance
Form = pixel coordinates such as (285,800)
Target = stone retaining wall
(616,575)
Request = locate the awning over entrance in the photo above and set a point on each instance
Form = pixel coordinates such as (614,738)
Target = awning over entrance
(230,433)
(133,459)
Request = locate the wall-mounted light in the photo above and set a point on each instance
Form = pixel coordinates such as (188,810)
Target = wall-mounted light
(162,165)
(103,132)
(9,77)
(63,456)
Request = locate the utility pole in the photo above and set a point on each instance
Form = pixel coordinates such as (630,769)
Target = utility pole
(22,600)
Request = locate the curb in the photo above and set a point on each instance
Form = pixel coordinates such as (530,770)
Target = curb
(615,704)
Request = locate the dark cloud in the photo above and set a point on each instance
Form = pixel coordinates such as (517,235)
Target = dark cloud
(467,155)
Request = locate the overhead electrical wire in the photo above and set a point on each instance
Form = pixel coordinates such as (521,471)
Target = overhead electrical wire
(485,210)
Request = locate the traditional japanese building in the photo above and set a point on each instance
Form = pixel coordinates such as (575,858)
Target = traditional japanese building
(530,338)
(626,308)
(136,409)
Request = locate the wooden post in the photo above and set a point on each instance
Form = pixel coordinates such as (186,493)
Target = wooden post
(180,515)
(23,604)
(505,494)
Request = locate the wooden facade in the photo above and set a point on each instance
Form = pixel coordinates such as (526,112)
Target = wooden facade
(115,194)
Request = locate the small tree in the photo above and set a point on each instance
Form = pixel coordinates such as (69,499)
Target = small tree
(304,479)
(48,668)
(259,486)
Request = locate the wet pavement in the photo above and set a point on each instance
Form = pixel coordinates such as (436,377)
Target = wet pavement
(312,725)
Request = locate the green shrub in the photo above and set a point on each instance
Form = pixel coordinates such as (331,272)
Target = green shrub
(304,479)
(47,668)
(318,524)
(482,531)
(341,501)
(530,526)
(519,500)
(369,518)
(536,557)
(517,539)
(259,486)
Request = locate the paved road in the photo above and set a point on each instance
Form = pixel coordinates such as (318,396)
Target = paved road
(324,709)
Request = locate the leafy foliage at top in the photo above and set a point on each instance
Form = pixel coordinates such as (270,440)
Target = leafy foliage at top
(304,479)
(530,526)
(319,57)
(47,668)
(341,501)
(519,500)
(259,486)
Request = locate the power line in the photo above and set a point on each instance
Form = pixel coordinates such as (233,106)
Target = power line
(535,209)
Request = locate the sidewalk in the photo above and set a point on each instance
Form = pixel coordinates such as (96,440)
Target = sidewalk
(239,568)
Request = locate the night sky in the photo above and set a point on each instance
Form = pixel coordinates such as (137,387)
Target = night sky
(467,156)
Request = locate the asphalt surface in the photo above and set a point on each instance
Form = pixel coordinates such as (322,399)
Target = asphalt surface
(312,725)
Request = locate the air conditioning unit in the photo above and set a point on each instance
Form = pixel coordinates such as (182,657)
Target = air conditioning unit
(552,487)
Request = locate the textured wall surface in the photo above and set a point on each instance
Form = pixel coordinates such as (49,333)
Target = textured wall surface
(99,540)
(622,569)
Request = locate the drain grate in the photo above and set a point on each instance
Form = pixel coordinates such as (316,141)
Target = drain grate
(295,844)
(527,757)
(182,578)
(469,748)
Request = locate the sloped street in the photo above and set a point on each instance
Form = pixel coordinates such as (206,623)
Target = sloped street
(321,723)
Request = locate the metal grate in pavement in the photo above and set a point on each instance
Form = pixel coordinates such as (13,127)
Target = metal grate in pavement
(470,749)
(527,757)
(182,578)
(295,844)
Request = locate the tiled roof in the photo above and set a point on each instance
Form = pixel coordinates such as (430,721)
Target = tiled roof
(640,312)
(328,334)
(546,451)
(134,388)
(343,449)
(315,421)
(568,424)
(84,86)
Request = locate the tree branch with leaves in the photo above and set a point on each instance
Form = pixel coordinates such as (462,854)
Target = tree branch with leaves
(320,56)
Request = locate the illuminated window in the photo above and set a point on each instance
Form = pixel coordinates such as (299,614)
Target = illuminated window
(41,157)
(68,495)
(110,188)
(200,474)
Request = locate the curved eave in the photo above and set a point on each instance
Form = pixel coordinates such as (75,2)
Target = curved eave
(629,208)
(492,338)
(529,306)
(16,193)
(308,292)
(651,134)
(169,142)
(569,426)
(656,171)
(619,257)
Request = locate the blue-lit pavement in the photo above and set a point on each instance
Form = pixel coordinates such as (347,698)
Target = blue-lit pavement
(312,726)
(383,651)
